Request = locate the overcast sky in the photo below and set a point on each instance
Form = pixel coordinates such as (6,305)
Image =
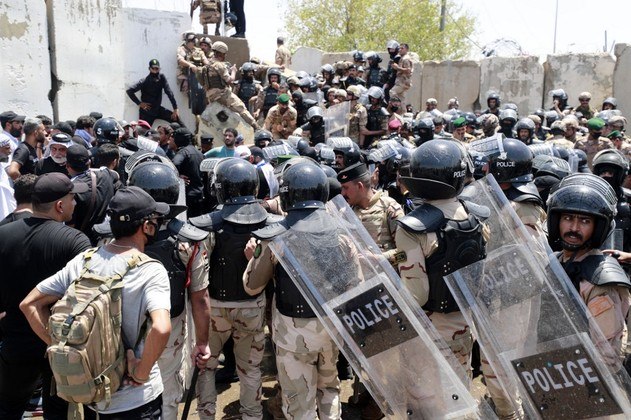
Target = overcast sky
(581,24)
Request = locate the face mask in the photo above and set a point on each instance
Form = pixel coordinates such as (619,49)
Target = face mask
(394,108)
(59,160)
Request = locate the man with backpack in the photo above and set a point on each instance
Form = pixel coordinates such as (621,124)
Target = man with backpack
(32,249)
(130,385)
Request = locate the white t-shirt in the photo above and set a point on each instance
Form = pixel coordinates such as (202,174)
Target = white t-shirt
(145,289)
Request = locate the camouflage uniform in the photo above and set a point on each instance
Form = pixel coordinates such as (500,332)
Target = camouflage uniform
(588,111)
(403,82)
(380,220)
(283,56)
(358,120)
(172,360)
(195,56)
(306,356)
(561,142)
(591,147)
(216,80)
(275,119)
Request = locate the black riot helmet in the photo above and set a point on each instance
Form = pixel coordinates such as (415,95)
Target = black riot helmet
(438,169)
(402,158)
(373,58)
(423,130)
(262,136)
(359,56)
(347,148)
(525,124)
(513,162)
(583,194)
(583,167)
(236,181)
(247,68)
(157,179)
(611,160)
(273,71)
(107,130)
(611,101)
(303,186)
(496,96)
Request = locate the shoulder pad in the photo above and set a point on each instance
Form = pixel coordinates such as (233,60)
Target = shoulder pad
(186,232)
(626,192)
(468,193)
(244,214)
(384,112)
(478,210)
(269,232)
(524,193)
(209,222)
(273,218)
(603,270)
(425,218)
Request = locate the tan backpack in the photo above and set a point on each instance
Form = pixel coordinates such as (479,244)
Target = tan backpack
(87,355)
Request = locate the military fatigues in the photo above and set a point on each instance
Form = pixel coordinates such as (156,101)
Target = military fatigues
(216,80)
(172,361)
(561,142)
(281,125)
(195,56)
(403,81)
(591,147)
(587,111)
(380,220)
(358,120)
(306,356)
(283,56)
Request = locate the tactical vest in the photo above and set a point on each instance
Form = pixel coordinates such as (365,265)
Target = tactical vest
(246,91)
(317,134)
(599,270)
(165,251)
(228,263)
(375,117)
(271,96)
(211,80)
(623,222)
(289,300)
(196,56)
(374,77)
(460,243)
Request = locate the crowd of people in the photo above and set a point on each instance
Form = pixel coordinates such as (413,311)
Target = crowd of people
(187,225)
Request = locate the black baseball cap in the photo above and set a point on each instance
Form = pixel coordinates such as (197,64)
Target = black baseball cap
(133,203)
(52,186)
(154,63)
(257,151)
(207,138)
(9,116)
(78,157)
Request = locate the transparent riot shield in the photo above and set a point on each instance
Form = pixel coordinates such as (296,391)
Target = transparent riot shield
(336,120)
(378,326)
(271,153)
(541,341)
(317,96)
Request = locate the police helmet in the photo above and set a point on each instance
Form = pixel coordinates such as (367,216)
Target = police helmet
(303,186)
(302,74)
(402,158)
(525,124)
(247,67)
(551,117)
(582,160)
(583,194)
(471,119)
(558,93)
(392,45)
(359,56)
(611,101)
(273,71)
(508,115)
(375,92)
(513,163)
(314,111)
(327,68)
(611,160)
(373,56)
(438,170)
(235,181)
(157,179)
(423,130)
(260,136)
(493,95)
(107,130)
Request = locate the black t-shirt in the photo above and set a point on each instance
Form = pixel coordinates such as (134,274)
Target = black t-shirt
(187,160)
(107,182)
(48,165)
(15,216)
(31,250)
(26,156)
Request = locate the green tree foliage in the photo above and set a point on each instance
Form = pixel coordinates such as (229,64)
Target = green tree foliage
(344,25)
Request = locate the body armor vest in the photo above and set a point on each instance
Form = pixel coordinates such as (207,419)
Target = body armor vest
(289,300)
(375,116)
(228,263)
(246,90)
(165,251)
(211,80)
(623,222)
(317,134)
(271,96)
(599,270)
(374,77)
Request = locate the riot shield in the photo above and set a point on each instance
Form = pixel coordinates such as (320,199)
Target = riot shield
(378,326)
(541,341)
(336,120)
(196,94)
(317,96)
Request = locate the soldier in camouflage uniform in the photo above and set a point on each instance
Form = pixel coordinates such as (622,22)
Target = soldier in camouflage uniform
(305,354)
(558,132)
(620,143)
(189,58)
(375,209)
(281,118)
(217,81)
(585,108)
(404,68)
(358,117)
(594,142)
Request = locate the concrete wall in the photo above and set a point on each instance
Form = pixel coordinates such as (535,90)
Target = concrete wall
(447,79)
(622,78)
(576,73)
(24,59)
(307,59)
(519,79)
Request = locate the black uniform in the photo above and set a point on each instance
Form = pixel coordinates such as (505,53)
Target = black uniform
(187,161)
(151,88)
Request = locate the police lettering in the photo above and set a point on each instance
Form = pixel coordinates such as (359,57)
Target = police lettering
(505,164)
(370,314)
(459,174)
(559,376)
(502,274)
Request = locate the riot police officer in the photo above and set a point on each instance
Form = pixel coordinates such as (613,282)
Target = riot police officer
(375,75)
(247,88)
(525,131)
(180,249)
(508,120)
(305,354)
(493,102)
(314,128)
(269,95)
(377,124)
(234,313)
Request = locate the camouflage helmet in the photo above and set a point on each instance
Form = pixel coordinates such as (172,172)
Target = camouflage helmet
(220,47)
(293,80)
(189,36)
(206,40)
(585,95)
(355,90)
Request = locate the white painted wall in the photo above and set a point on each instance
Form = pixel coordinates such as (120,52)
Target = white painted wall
(24,58)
